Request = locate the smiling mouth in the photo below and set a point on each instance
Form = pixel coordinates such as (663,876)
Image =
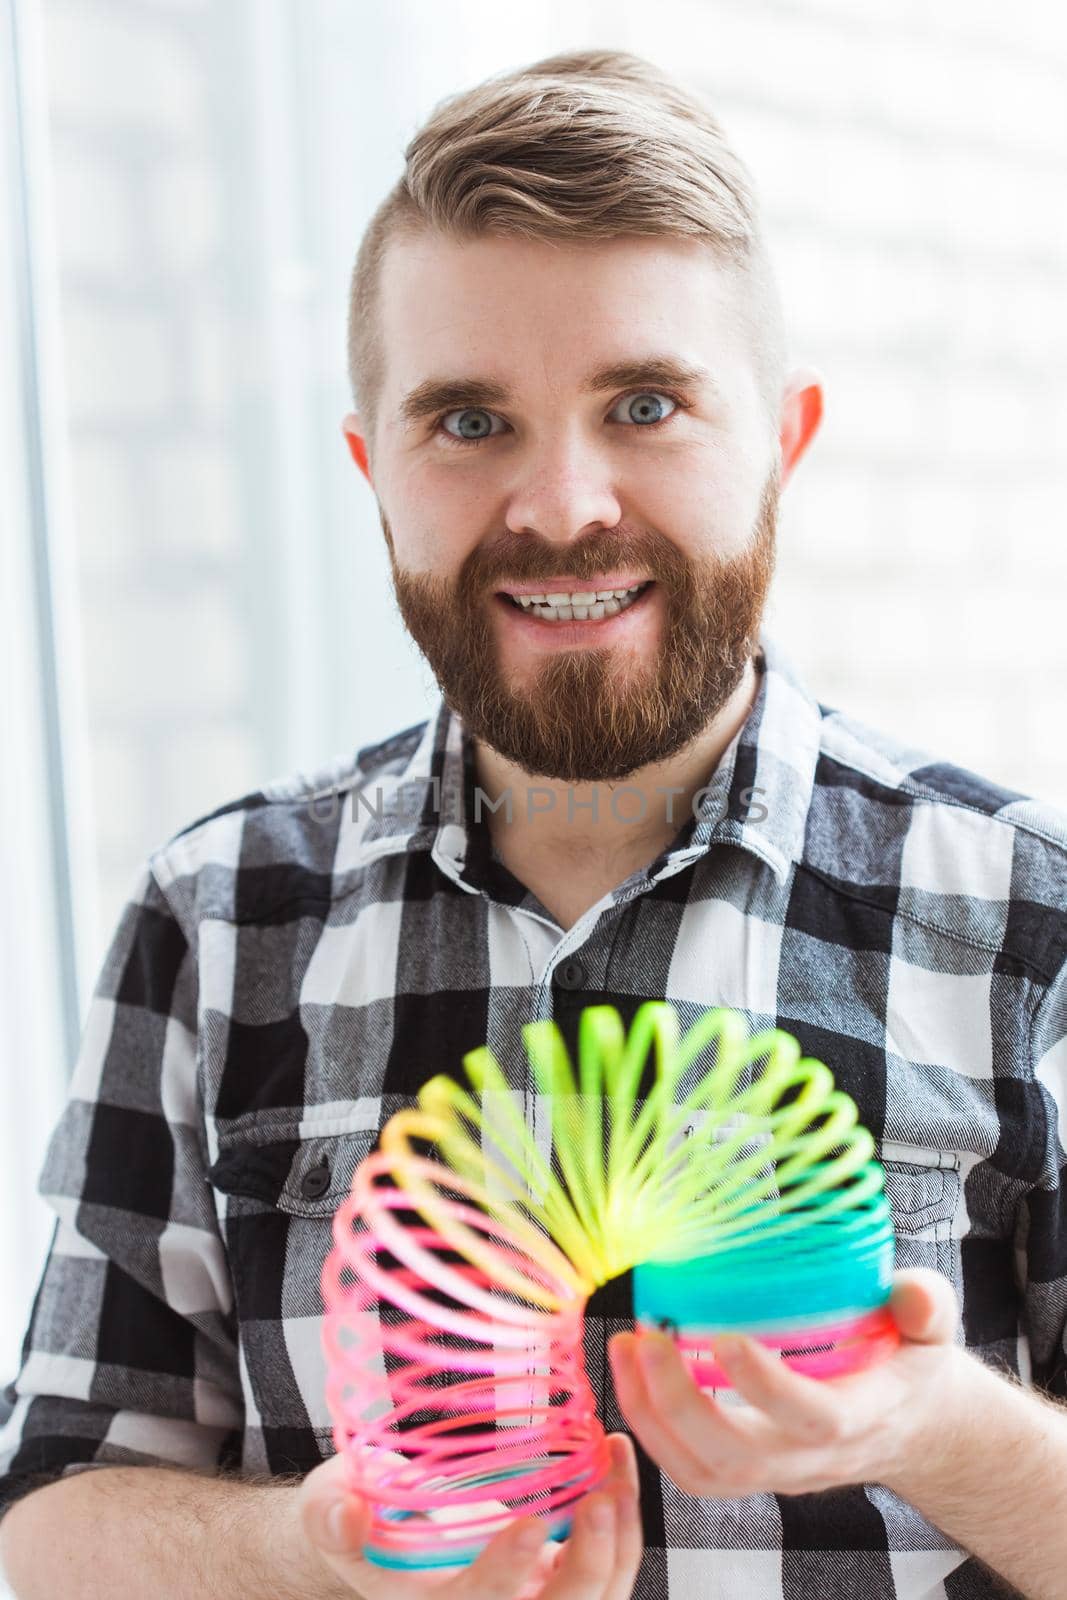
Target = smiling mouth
(578,605)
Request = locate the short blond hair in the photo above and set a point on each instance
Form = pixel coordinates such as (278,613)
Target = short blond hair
(587,144)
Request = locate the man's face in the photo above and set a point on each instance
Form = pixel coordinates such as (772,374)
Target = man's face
(646,480)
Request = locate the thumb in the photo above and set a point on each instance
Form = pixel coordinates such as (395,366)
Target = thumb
(335,1520)
(924,1306)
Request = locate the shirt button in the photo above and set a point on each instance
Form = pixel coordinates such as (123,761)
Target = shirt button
(315,1182)
(570,974)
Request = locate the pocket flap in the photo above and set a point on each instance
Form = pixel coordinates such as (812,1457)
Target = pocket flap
(922,1191)
(305,1177)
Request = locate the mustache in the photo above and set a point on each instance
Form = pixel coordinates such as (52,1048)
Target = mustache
(493,567)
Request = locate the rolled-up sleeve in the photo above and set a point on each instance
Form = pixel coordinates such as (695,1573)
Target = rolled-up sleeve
(130,1356)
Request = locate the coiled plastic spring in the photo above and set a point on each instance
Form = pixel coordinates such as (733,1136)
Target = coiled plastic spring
(742,1199)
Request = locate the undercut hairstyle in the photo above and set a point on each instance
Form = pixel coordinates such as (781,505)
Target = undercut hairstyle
(584,145)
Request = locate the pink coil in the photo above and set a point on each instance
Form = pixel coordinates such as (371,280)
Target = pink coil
(448,1391)
(828,1351)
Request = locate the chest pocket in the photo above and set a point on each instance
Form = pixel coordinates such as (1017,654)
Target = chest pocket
(276,1200)
(923,1190)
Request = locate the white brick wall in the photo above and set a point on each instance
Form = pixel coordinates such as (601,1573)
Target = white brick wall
(912,162)
(154,167)
(125,65)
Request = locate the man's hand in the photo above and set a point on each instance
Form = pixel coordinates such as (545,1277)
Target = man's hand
(599,1561)
(797,1434)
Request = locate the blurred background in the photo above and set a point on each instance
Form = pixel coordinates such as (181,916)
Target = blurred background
(194,591)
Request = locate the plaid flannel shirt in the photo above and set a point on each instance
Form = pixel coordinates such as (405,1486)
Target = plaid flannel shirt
(290,968)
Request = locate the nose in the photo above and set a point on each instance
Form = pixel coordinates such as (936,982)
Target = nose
(562,490)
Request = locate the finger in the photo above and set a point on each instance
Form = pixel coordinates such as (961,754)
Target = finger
(624,1461)
(694,1418)
(332,1517)
(338,1529)
(589,1556)
(713,1436)
(336,1526)
(509,1561)
(629,1536)
(546,1564)
(333,1471)
(924,1306)
(805,1409)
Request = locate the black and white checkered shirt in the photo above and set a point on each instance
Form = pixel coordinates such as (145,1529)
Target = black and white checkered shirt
(291,968)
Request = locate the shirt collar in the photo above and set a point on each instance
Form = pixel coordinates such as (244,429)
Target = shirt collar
(757,798)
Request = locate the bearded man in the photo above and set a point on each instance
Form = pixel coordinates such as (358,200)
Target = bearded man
(575,414)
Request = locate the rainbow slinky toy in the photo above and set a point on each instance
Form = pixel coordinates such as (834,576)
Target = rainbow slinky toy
(745,1197)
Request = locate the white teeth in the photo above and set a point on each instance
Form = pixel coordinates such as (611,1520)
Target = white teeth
(587,605)
(585,598)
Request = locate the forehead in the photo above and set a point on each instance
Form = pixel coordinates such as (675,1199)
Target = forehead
(542,312)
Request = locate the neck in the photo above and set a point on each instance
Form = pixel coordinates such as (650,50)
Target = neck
(606,822)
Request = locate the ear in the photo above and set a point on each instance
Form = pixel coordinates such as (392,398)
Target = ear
(357,444)
(801,414)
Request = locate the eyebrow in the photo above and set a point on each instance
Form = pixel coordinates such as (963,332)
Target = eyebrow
(443,394)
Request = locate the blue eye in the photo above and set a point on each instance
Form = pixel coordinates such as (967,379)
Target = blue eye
(646,411)
(466,438)
(640,405)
